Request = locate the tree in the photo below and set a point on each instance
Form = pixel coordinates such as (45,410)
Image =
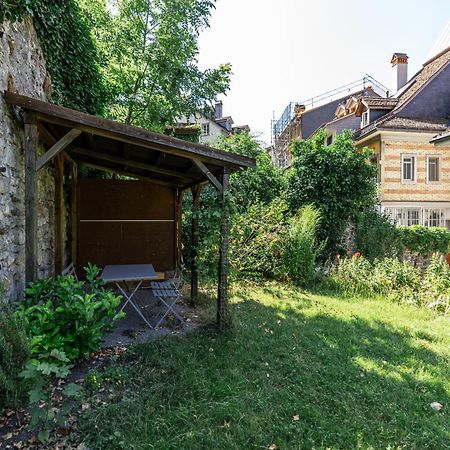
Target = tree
(338,179)
(149,50)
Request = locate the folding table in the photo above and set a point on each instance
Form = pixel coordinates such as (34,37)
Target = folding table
(122,274)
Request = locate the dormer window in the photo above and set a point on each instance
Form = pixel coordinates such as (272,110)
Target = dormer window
(365,118)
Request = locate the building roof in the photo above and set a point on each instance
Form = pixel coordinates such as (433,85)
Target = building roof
(395,118)
(429,70)
(129,150)
(445,136)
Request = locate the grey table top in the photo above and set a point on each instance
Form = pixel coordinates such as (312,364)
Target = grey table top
(128,272)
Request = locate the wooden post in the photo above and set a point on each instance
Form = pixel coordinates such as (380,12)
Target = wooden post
(31,239)
(74,213)
(178,225)
(59,214)
(196,191)
(223,314)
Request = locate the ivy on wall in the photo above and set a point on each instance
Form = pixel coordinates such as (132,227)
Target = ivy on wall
(70,53)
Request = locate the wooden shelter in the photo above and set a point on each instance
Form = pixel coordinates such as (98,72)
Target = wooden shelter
(72,137)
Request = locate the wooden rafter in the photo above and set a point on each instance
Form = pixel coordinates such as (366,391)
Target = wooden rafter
(208,175)
(131,163)
(57,148)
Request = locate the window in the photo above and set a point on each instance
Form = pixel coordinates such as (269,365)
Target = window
(408,168)
(413,217)
(434,218)
(433,169)
(429,217)
(365,118)
(205,129)
(329,139)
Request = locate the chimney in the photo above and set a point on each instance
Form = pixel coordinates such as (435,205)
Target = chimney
(399,63)
(218,110)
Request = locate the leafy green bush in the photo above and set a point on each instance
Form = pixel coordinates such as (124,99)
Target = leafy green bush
(338,179)
(255,240)
(424,241)
(45,415)
(14,353)
(376,235)
(300,246)
(396,280)
(68,315)
(436,285)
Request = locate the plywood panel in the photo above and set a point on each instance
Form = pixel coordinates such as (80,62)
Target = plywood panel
(126,222)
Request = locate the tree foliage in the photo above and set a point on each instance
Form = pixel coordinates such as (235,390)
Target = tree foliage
(149,50)
(338,179)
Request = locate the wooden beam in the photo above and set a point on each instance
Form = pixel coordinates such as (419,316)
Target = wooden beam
(130,163)
(74,213)
(45,135)
(31,238)
(127,174)
(57,148)
(178,224)
(208,174)
(59,215)
(223,314)
(122,132)
(196,191)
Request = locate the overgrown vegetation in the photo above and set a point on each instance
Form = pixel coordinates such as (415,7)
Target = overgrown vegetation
(14,353)
(338,179)
(68,315)
(297,371)
(395,280)
(70,53)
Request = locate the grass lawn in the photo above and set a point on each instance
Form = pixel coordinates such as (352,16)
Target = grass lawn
(298,371)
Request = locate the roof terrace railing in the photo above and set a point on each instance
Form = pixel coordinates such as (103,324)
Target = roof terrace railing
(289,112)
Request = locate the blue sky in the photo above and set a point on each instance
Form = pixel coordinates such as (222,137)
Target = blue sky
(290,50)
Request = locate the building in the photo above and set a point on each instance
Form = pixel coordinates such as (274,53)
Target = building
(212,126)
(409,135)
(333,110)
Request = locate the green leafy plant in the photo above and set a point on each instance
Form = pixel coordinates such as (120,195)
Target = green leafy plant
(14,353)
(42,375)
(300,247)
(376,236)
(338,179)
(423,241)
(68,315)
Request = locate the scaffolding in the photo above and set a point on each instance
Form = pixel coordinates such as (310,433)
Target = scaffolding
(281,128)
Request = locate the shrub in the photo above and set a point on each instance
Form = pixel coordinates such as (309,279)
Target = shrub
(436,286)
(424,241)
(396,280)
(68,315)
(376,235)
(299,245)
(254,240)
(14,353)
(338,179)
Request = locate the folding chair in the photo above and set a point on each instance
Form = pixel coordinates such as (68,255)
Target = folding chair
(70,270)
(168,292)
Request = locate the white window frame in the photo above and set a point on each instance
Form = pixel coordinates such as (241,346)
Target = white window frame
(365,118)
(414,171)
(206,129)
(400,215)
(438,157)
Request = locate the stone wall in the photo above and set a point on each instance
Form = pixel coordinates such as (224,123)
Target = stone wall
(22,70)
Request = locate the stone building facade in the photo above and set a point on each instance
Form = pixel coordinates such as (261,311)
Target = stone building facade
(22,70)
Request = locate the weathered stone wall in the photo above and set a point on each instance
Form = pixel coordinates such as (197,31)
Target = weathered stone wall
(22,70)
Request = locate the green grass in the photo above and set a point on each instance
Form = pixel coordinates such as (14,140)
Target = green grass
(357,373)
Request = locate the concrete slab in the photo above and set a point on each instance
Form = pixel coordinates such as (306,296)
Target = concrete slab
(133,330)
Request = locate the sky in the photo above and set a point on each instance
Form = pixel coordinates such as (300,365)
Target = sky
(290,50)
